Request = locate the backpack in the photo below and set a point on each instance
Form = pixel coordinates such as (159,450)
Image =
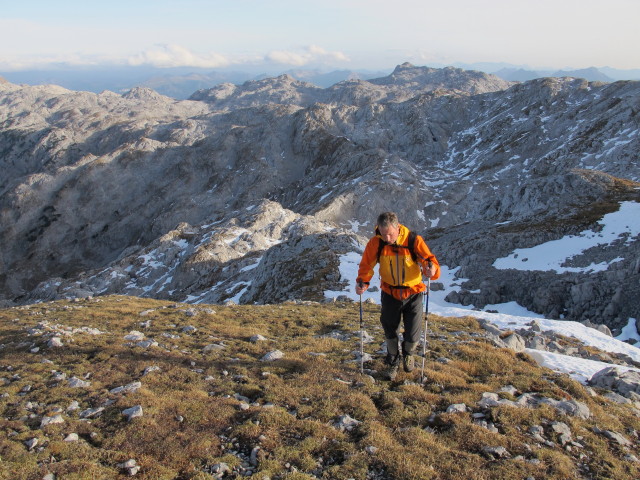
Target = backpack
(410,245)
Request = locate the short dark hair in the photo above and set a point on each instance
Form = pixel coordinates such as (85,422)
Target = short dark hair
(387,219)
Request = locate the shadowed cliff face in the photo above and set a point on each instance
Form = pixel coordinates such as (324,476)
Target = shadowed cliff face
(92,184)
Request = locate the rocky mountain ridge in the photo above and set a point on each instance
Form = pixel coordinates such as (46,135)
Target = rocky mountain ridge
(255,192)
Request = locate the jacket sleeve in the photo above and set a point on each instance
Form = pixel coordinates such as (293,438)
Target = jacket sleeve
(425,256)
(368,262)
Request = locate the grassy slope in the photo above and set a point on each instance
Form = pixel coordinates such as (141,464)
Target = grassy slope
(192,420)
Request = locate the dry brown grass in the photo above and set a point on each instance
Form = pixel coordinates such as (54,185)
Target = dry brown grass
(193,418)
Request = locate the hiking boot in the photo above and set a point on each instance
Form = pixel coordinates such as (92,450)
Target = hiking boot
(408,363)
(393,363)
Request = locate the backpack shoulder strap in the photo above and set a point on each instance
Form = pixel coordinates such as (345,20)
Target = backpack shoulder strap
(381,244)
(412,244)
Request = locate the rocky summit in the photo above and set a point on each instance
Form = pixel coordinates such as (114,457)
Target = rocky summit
(255,192)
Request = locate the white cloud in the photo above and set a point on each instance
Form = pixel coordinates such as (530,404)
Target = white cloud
(177,56)
(311,54)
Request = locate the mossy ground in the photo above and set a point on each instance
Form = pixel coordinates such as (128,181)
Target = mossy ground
(196,412)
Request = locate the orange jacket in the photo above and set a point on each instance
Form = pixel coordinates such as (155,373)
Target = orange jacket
(400,276)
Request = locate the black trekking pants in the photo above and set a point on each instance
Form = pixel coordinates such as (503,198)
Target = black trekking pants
(408,310)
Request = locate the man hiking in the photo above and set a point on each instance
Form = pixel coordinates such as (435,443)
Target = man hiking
(403,257)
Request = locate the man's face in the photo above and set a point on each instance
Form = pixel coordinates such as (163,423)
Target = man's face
(389,234)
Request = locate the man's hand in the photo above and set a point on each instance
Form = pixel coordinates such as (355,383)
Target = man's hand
(429,270)
(361,288)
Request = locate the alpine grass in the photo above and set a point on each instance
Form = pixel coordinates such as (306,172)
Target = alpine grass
(213,406)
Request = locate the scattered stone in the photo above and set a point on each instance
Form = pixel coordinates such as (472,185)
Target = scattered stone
(147,344)
(571,407)
(487,425)
(494,453)
(55,342)
(91,412)
(144,313)
(615,436)
(31,443)
(253,458)
(73,406)
(213,347)
(189,329)
(51,420)
(535,326)
(134,336)
(148,370)
(272,356)
(616,397)
(72,437)
(510,389)
(75,382)
(515,342)
(130,466)
(562,431)
(537,432)
(257,338)
(58,376)
(489,400)
(457,408)
(346,423)
(130,388)
(371,450)
(612,378)
(133,412)
(219,470)
(598,326)
(366,357)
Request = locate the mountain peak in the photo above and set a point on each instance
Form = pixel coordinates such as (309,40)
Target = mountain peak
(143,93)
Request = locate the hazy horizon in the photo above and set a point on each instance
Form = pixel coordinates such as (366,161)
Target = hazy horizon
(328,35)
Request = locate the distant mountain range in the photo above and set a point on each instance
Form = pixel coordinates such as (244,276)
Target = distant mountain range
(180,83)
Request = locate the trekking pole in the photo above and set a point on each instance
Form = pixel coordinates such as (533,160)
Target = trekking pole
(426,325)
(361,337)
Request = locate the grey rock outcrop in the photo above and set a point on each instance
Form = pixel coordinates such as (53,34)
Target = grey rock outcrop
(625,383)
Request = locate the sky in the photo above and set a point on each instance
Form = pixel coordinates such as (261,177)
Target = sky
(621,225)
(327,34)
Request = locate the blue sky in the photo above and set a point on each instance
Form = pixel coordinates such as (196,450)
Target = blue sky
(328,34)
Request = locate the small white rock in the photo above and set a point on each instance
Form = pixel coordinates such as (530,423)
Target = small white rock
(213,347)
(31,443)
(51,420)
(133,412)
(75,382)
(457,408)
(271,356)
(55,342)
(130,388)
(91,412)
(134,336)
(148,370)
(72,437)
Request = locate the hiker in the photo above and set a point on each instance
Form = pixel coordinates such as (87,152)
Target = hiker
(403,257)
